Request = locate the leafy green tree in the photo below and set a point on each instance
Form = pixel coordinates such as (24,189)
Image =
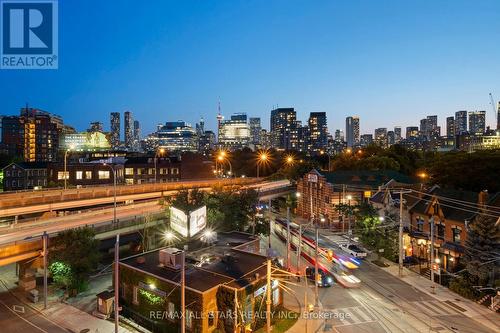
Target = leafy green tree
(74,256)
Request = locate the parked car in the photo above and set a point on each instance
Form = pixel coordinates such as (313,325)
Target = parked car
(326,279)
(354,250)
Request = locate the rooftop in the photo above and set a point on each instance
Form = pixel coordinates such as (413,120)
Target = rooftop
(209,267)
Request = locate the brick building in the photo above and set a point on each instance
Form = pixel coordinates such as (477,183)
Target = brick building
(228,278)
(24,175)
(83,174)
(450,220)
(329,189)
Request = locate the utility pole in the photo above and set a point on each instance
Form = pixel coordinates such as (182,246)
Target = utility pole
(299,248)
(45,239)
(342,212)
(432,247)
(270,226)
(268,297)
(117,279)
(400,235)
(183,292)
(288,238)
(316,269)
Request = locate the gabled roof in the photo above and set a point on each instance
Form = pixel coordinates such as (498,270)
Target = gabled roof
(29,165)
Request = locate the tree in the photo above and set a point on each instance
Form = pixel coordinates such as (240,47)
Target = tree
(482,247)
(74,257)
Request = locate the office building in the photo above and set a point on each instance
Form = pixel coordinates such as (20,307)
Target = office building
(234,133)
(137,131)
(255,129)
(339,135)
(265,138)
(95,126)
(11,138)
(284,129)
(380,137)
(477,122)
(366,140)
(206,142)
(177,136)
(391,138)
(397,134)
(352,131)
(115,129)
(128,129)
(303,137)
(411,132)
(450,127)
(318,131)
(460,122)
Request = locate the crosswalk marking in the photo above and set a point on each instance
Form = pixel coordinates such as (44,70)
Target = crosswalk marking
(351,316)
(434,308)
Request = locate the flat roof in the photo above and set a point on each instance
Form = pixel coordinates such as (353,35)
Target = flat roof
(209,267)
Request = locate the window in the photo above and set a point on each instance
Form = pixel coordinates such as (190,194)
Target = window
(135,300)
(456,235)
(129,171)
(174,171)
(88,174)
(123,290)
(62,175)
(129,181)
(79,175)
(7,173)
(276,296)
(440,230)
(140,171)
(103,174)
(420,224)
(151,171)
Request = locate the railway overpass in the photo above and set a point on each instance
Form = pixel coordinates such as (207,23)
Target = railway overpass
(21,241)
(14,204)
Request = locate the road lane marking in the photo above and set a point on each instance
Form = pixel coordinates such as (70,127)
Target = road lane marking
(20,317)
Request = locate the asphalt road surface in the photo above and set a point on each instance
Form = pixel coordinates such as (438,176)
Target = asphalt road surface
(384,303)
(15,317)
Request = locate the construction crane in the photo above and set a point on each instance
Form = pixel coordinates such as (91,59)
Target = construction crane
(495,111)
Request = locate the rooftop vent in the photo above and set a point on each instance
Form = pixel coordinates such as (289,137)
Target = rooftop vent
(171,258)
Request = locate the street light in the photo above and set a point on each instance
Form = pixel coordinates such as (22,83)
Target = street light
(263,157)
(161,151)
(223,157)
(289,160)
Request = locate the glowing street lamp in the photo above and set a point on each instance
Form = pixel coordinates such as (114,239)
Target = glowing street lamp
(289,160)
(169,236)
(263,157)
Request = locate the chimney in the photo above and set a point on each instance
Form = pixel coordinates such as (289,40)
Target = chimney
(482,198)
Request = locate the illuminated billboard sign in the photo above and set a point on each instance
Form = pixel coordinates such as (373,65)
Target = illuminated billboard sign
(179,221)
(197,220)
(188,225)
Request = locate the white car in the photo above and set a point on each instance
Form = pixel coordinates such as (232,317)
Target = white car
(354,250)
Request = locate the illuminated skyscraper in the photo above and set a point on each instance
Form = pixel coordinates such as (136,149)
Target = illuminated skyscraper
(352,131)
(477,122)
(115,129)
(318,131)
(284,129)
(128,129)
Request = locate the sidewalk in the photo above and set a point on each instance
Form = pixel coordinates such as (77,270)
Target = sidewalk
(295,302)
(473,310)
(59,312)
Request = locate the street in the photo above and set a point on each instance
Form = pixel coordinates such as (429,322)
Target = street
(383,303)
(17,317)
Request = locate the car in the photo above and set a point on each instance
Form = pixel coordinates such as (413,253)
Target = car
(354,250)
(326,279)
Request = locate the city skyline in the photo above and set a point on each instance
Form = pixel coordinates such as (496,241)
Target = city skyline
(164,70)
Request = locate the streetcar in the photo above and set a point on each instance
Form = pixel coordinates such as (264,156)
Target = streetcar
(338,265)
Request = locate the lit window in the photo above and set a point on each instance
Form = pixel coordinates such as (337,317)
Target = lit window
(88,174)
(61,175)
(129,171)
(79,175)
(456,235)
(174,171)
(103,174)
(151,171)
